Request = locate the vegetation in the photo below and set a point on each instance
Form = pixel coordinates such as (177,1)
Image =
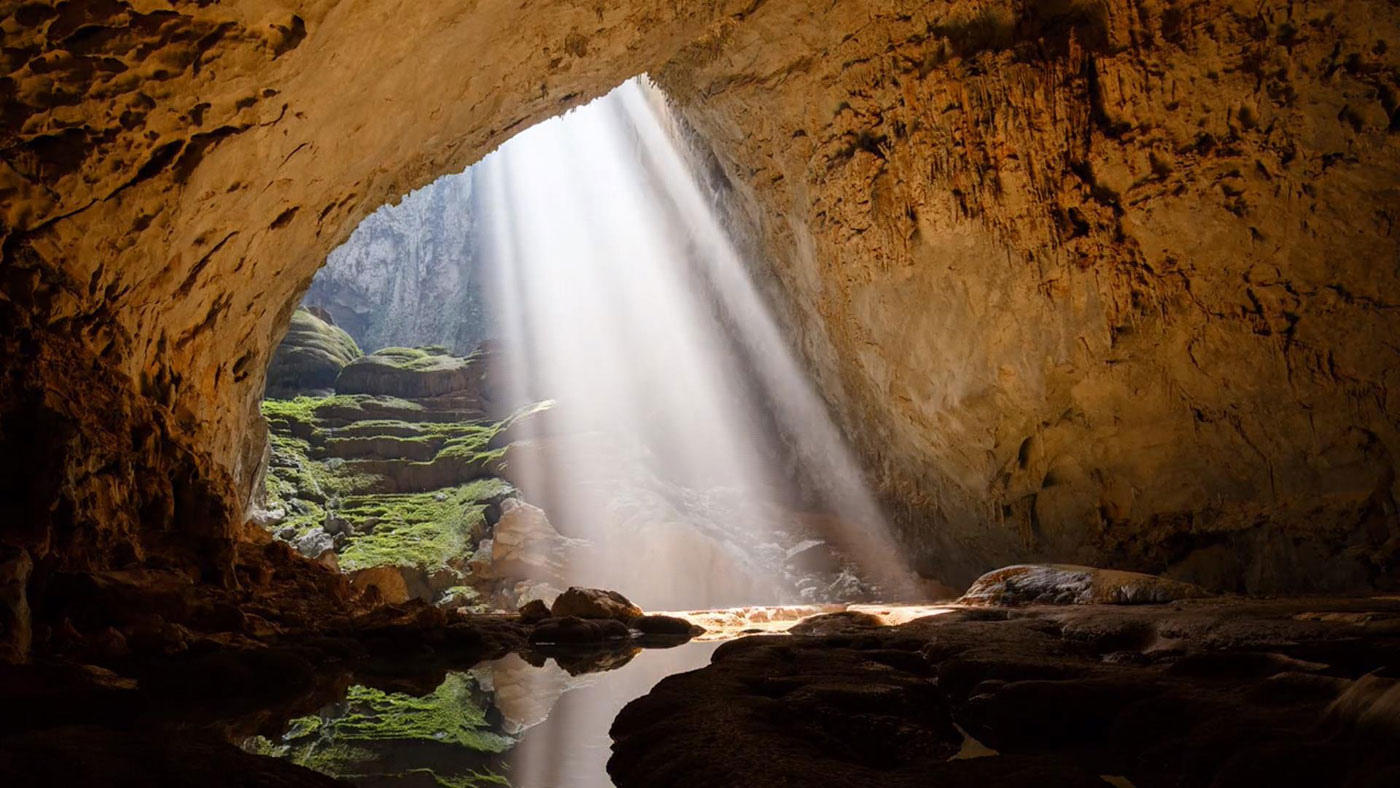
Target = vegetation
(340,462)
(425,530)
(418,359)
(346,739)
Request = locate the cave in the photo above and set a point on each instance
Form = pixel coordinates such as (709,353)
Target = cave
(1089,306)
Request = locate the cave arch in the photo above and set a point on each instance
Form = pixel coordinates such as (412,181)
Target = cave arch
(1086,280)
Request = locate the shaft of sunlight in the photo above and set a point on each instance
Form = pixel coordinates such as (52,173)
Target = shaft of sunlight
(621,294)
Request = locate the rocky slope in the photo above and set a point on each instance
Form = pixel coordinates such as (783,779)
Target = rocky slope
(409,476)
(1102,280)
(408,276)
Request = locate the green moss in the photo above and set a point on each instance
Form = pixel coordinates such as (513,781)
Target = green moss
(417,359)
(417,529)
(331,757)
(291,416)
(310,356)
(450,715)
(351,738)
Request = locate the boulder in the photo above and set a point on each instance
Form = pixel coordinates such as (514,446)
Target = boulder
(310,358)
(392,587)
(315,542)
(666,626)
(533,612)
(1067,584)
(594,603)
(570,631)
(841,622)
(524,545)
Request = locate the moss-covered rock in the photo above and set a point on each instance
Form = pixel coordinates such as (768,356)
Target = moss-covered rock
(423,530)
(453,743)
(401,487)
(310,358)
(408,372)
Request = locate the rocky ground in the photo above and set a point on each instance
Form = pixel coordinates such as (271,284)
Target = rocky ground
(1221,692)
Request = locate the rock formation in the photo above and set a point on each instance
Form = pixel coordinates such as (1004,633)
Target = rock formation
(408,276)
(1204,693)
(310,357)
(1106,281)
(1088,280)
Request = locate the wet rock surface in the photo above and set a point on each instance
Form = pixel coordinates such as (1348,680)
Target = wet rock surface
(1199,693)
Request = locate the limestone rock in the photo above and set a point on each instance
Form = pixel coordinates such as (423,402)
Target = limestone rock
(844,621)
(389,580)
(315,542)
(533,612)
(412,373)
(1062,584)
(1063,302)
(401,257)
(594,603)
(310,357)
(667,626)
(524,545)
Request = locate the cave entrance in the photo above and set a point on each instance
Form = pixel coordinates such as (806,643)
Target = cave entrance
(553,369)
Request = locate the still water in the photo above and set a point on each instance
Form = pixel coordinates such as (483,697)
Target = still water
(506,722)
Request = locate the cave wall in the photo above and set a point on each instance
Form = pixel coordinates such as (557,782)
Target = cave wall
(171,176)
(1109,282)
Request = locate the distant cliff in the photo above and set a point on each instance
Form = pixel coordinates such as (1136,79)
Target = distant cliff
(408,275)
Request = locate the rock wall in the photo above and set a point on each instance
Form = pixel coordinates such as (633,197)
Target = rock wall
(1105,281)
(174,173)
(409,275)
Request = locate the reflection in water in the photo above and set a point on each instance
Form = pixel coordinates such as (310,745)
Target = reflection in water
(504,722)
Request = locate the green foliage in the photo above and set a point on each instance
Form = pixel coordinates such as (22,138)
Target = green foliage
(417,529)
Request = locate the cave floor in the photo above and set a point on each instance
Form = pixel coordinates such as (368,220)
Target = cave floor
(1222,692)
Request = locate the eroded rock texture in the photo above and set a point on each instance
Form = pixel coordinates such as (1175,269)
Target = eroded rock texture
(174,172)
(1110,282)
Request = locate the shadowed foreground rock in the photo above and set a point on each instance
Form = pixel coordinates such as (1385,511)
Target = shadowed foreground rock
(1200,693)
